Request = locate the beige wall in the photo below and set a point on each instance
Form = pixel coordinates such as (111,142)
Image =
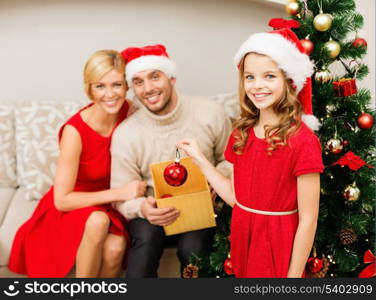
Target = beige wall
(44,44)
(367,8)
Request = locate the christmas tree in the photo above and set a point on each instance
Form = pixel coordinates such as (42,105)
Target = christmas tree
(346,227)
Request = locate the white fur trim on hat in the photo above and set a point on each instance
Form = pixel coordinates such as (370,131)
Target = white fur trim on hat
(148,62)
(311,121)
(296,65)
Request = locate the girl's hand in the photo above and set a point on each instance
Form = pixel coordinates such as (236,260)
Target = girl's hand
(132,190)
(190,147)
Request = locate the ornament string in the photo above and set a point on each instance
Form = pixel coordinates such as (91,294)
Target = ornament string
(314,251)
(177,154)
(356,68)
(319,4)
(345,66)
(305,8)
(351,72)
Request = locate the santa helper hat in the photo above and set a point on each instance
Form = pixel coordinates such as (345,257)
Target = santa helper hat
(152,57)
(284,47)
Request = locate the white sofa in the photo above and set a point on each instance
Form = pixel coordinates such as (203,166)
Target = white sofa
(28,151)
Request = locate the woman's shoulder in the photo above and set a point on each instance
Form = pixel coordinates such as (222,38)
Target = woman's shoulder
(77,117)
(74,121)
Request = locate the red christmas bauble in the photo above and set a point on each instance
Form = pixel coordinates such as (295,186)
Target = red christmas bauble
(359,42)
(345,143)
(227,265)
(315,264)
(175,174)
(307,45)
(365,121)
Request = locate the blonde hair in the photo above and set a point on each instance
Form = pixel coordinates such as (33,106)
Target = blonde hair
(100,63)
(288,108)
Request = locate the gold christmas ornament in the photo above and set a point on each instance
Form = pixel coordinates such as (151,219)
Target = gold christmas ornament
(333,47)
(322,22)
(292,8)
(323,76)
(351,193)
(334,145)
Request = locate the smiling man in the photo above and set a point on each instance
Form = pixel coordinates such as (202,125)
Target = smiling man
(150,136)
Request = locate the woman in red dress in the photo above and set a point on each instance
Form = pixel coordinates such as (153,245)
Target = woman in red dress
(75,223)
(276,159)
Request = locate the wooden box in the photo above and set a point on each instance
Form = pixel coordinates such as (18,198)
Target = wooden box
(192,199)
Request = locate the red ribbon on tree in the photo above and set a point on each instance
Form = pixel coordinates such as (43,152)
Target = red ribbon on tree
(351,160)
(369,271)
(278,23)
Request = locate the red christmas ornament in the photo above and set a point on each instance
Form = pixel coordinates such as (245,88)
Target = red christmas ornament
(359,42)
(315,264)
(345,143)
(175,174)
(227,265)
(307,45)
(365,121)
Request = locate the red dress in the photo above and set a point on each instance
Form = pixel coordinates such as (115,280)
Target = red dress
(261,245)
(47,243)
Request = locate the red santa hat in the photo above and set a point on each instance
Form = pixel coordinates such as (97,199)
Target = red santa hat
(284,47)
(147,58)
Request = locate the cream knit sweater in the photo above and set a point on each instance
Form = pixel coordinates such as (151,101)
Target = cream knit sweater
(147,138)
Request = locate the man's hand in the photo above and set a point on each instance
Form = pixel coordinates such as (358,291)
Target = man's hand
(158,216)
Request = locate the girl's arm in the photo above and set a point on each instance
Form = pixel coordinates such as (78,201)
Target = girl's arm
(308,206)
(66,174)
(221,184)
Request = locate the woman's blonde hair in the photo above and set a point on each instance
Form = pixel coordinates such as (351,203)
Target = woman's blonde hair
(100,63)
(288,108)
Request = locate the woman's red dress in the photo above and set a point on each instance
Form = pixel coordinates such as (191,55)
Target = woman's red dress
(47,243)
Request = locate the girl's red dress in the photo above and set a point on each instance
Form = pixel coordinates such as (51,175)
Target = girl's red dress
(261,245)
(46,244)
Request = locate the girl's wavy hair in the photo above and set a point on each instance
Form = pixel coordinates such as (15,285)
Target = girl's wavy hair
(288,107)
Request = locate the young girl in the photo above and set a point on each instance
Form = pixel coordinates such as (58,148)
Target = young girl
(276,159)
(74,223)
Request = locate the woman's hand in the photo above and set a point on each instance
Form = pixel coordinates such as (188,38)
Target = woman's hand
(132,190)
(190,147)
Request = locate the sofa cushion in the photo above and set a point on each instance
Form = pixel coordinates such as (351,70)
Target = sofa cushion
(230,103)
(7,147)
(37,126)
(6,195)
(19,210)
